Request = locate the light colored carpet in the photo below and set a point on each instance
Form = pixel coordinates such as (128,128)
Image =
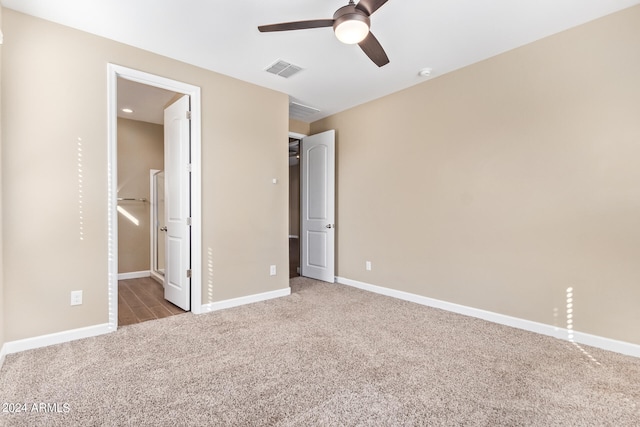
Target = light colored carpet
(327,355)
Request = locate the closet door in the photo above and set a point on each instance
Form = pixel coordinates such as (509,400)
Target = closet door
(317,169)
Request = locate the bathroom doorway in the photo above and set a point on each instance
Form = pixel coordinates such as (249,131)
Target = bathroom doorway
(131,206)
(141,240)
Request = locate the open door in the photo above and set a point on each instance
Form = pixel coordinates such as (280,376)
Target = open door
(177,277)
(317,225)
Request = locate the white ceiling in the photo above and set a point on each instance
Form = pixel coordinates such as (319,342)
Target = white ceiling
(222,36)
(147,102)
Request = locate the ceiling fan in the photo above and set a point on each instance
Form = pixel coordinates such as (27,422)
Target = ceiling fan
(351,25)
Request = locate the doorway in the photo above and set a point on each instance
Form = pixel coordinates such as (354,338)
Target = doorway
(294,204)
(140,150)
(315,230)
(141,134)
(118,74)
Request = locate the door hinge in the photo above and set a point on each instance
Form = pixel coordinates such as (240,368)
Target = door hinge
(189,221)
(189,167)
(189,274)
(188,115)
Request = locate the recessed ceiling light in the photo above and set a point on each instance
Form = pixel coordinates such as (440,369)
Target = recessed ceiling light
(425,72)
(127,110)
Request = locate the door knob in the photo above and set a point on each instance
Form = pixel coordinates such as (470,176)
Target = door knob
(163,228)
(329,225)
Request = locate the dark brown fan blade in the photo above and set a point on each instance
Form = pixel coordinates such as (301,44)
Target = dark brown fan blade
(370,6)
(372,47)
(298,25)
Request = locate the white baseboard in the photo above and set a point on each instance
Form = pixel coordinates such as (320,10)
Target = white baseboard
(134,275)
(92,331)
(3,354)
(157,277)
(622,347)
(541,328)
(55,338)
(249,299)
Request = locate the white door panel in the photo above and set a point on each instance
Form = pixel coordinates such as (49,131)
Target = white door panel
(317,156)
(177,282)
(317,242)
(318,206)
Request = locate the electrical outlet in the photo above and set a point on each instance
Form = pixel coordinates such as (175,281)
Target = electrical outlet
(368,265)
(272,270)
(76,297)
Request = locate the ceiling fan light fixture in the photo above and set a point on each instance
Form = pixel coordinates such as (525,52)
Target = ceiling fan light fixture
(351,25)
(351,31)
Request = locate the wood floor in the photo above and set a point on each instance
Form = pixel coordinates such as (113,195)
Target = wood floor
(142,299)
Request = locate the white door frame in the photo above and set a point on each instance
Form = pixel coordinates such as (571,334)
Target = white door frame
(113,73)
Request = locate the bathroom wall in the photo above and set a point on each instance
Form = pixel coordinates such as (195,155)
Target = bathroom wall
(140,149)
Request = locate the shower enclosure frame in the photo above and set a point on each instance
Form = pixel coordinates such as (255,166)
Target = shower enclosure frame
(155,236)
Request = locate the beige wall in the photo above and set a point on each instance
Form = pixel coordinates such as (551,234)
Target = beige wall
(502,184)
(140,149)
(299,127)
(55,80)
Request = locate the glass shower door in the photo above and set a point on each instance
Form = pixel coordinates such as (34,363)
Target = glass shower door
(159,227)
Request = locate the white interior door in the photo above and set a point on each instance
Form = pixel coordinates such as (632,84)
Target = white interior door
(177,276)
(317,170)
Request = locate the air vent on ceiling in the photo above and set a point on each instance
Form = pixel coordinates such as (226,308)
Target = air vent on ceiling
(301,112)
(283,69)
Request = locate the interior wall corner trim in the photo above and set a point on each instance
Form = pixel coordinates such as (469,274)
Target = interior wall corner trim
(604,343)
